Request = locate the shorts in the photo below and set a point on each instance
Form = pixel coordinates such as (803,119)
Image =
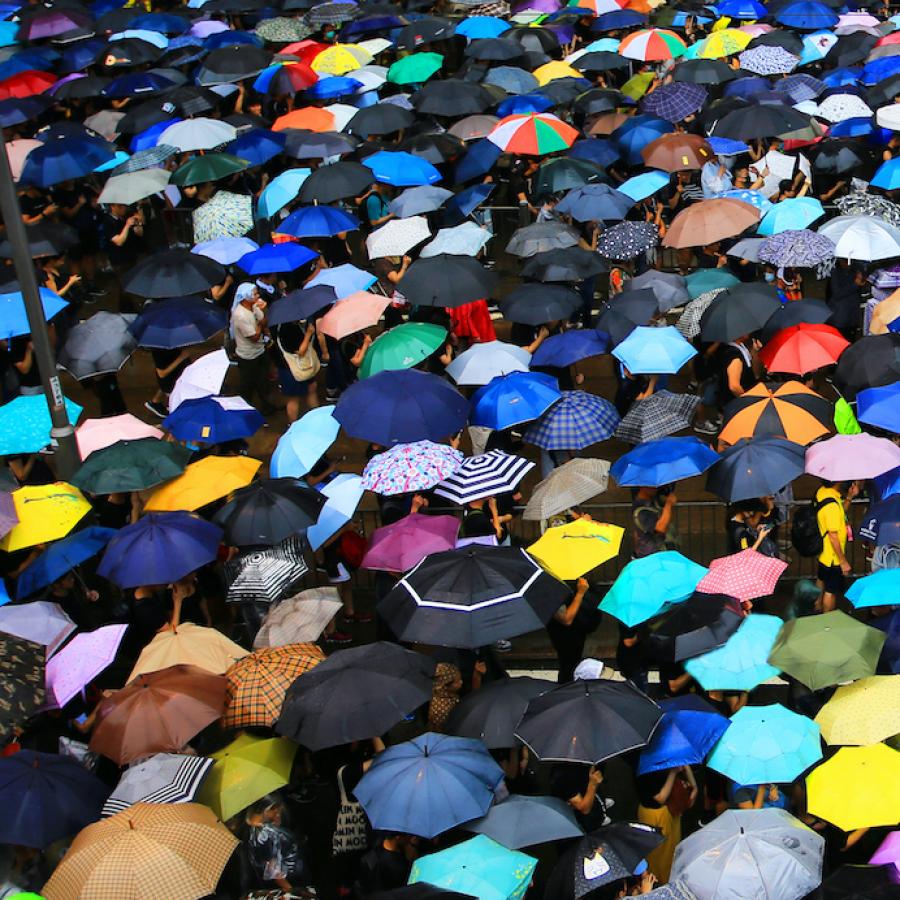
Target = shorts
(833,580)
(289,385)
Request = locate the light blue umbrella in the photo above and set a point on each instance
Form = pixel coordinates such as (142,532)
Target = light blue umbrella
(645,586)
(792,214)
(141,34)
(14,319)
(8,31)
(482,27)
(225,250)
(467,239)
(402,169)
(344,493)
(754,198)
(479,867)
(741,664)
(766,744)
(280,191)
(415,201)
(881,588)
(346,279)
(645,185)
(654,351)
(25,424)
(482,362)
(304,443)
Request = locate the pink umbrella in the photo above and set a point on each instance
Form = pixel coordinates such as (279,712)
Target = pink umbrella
(17,151)
(354,313)
(846,457)
(399,547)
(888,852)
(755,29)
(81,661)
(96,434)
(745,575)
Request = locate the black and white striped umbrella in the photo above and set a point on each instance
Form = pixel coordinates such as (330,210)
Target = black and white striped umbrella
(494,472)
(163,778)
(266,575)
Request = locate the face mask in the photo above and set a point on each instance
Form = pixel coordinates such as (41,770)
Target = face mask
(770,276)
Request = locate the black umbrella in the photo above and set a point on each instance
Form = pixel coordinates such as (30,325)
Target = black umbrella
(621,315)
(128,52)
(563,90)
(737,311)
(423,31)
(534,39)
(884,92)
(492,713)
(851,49)
(173,273)
(838,156)
(870,361)
(269,511)
(704,71)
(571,264)
(780,37)
(45,239)
(230,64)
(599,61)
(336,182)
(317,145)
(81,88)
(600,100)
(447,280)
(355,694)
(177,322)
(144,116)
(494,50)
(452,97)
(696,626)
(98,345)
(760,120)
(380,118)
(557,175)
(525,821)
(756,467)
(436,148)
(813,312)
(588,721)
(301,304)
(21,682)
(537,304)
(857,882)
(472,597)
(265,576)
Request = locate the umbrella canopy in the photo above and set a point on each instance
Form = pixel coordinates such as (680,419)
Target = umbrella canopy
(25,424)
(403,544)
(663,461)
(745,575)
(803,348)
(791,411)
(657,416)
(447,279)
(876,406)
(266,575)
(571,484)
(756,467)
(578,420)
(482,362)
(650,350)
(740,310)
(40,622)
(81,661)
(485,475)
(569,551)
(46,513)
(845,457)
(402,347)
(709,221)
(861,713)
(688,730)
(304,443)
(173,273)
(98,346)
(410,467)
(59,558)
(298,619)
(694,627)
(862,238)
(163,778)
(521,821)
(131,466)
(203,482)
(188,644)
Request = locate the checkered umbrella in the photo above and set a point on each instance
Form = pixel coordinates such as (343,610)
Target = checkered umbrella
(163,778)
(745,575)
(801,87)
(266,575)
(258,682)
(676,101)
(660,415)
(689,321)
(627,240)
(483,476)
(410,467)
(768,61)
(145,159)
(578,420)
(572,484)
(332,13)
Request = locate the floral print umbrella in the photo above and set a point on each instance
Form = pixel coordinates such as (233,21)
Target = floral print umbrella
(226,215)
(768,61)
(410,467)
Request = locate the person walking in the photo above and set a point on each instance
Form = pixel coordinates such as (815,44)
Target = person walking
(251,332)
(834,567)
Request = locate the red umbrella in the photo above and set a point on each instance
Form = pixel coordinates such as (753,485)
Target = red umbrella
(26,84)
(803,348)
(745,575)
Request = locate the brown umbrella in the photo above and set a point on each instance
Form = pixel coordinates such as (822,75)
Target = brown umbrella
(709,221)
(188,644)
(157,713)
(677,152)
(258,682)
(608,123)
(147,852)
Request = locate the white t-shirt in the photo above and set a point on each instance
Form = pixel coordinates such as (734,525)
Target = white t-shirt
(244,323)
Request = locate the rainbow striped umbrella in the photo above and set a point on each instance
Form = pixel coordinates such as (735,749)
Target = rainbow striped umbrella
(532,134)
(652,44)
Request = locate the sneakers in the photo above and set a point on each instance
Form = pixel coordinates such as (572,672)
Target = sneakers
(361,618)
(337,637)
(706,427)
(331,394)
(158,409)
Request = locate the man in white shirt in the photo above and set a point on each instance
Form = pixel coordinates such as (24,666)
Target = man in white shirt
(248,323)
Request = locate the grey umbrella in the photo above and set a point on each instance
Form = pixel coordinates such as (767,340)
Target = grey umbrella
(541,237)
(415,201)
(670,289)
(99,345)
(512,79)
(521,821)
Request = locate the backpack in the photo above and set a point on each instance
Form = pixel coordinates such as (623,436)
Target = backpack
(805,535)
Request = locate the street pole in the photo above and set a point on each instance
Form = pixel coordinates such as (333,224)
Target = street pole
(62,433)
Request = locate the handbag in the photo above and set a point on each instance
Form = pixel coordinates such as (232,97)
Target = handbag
(351,832)
(303,367)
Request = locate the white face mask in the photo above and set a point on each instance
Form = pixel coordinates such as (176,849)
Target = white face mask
(770,276)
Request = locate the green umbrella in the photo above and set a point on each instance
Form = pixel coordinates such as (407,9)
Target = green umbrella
(702,280)
(415,69)
(131,466)
(844,420)
(402,347)
(827,649)
(208,167)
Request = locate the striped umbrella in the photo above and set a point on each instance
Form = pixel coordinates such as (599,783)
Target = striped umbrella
(652,44)
(533,134)
(578,420)
(265,575)
(790,411)
(163,778)
(483,476)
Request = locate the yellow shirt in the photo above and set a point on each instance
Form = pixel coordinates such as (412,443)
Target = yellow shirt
(831,518)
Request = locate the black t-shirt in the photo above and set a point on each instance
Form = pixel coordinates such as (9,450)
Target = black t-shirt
(649,785)
(18,350)
(382,870)
(477,523)
(568,780)
(162,359)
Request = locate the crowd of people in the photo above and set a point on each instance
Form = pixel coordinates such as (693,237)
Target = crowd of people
(363,313)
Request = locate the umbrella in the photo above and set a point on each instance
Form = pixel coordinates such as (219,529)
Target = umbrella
(627,240)
(874,589)
(446,280)
(756,467)
(663,461)
(803,348)
(40,622)
(738,311)
(402,347)
(81,661)
(588,721)
(651,350)
(483,362)
(25,424)
(428,785)
(652,44)
(343,494)
(131,466)
(791,411)
(149,849)
(98,346)
(173,273)
(485,475)
(532,134)
(687,731)
(417,200)
(354,694)
(213,420)
(856,788)
(536,304)
(541,238)
(571,550)
(354,313)
(304,443)
(471,597)
(298,619)
(862,237)
(827,649)
(572,264)
(512,399)
(751,853)
(674,102)
(521,821)
(264,576)
(874,407)
(790,315)
(404,544)
(177,322)
(797,249)
(881,519)
(226,215)
(696,626)
(646,585)
(657,416)
(21,682)
(257,683)
(397,237)
(570,485)
(163,778)
(871,361)
(861,713)
(199,133)
(745,575)
(46,513)
(188,644)
(845,457)
(406,468)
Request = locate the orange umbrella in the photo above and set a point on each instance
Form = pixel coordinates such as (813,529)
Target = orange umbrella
(311,118)
(709,221)
(354,313)
(791,411)
(677,152)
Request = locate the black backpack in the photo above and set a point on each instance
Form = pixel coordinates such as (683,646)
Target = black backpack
(805,535)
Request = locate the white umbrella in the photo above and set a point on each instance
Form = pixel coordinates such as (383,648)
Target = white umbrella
(201,378)
(862,237)
(201,133)
(299,619)
(839,107)
(374,46)
(467,239)
(40,622)
(95,434)
(370,77)
(163,778)
(105,123)
(889,117)
(133,186)
(342,113)
(397,237)
(482,362)
(747,248)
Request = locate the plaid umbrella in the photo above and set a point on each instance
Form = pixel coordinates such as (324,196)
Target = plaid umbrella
(410,467)
(298,619)
(21,682)
(745,575)
(163,778)
(282,30)
(226,215)
(802,249)
(265,575)
(578,420)
(332,13)
(768,61)
(627,240)
(801,87)
(483,476)
(258,682)
(572,484)
(689,321)
(660,415)
(676,101)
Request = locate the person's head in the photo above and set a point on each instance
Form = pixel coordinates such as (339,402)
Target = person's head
(267,810)
(246,294)
(119,210)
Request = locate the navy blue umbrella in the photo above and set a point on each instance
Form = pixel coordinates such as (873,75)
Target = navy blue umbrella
(205,421)
(890,652)
(65,160)
(466,202)
(618,18)
(257,146)
(317,221)
(61,557)
(302,303)
(570,347)
(756,467)
(46,797)
(595,203)
(133,83)
(478,161)
(400,407)
(596,150)
(159,548)
(881,523)
(16,110)
(177,322)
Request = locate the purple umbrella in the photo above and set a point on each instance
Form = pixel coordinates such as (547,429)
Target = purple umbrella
(81,661)
(800,249)
(847,457)
(404,544)
(888,852)
(9,518)
(676,101)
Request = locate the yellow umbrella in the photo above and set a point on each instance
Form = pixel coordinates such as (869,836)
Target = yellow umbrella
(188,644)
(638,85)
(568,551)
(247,769)
(202,482)
(859,787)
(341,58)
(552,70)
(864,712)
(46,512)
(724,43)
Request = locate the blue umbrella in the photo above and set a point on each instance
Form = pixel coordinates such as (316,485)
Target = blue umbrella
(133,83)
(880,524)
(158,549)
(165,23)
(756,467)
(14,318)
(346,279)
(636,133)
(482,27)
(15,110)
(890,652)
(596,150)
(304,443)
(741,9)
(650,350)
(879,406)
(508,400)
(280,191)
(806,15)
(269,258)
(301,304)
(512,79)
(466,202)
(401,169)
(879,70)
(429,785)
(401,407)
(577,421)
(64,160)
(791,215)
(594,203)
(46,797)
(478,161)
(569,347)
(204,420)
(25,424)
(423,198)
(332,87)
(148,138)
(747,87)
(344,492)
(840,78)
(663,462)
(617,19)
(61,557)
(688,730)
(524,103)
(227,38)
(317,221)
(257,146)
(640,187)
(888,175)
(727,146)
(888,484)
(878,589)
(177,322)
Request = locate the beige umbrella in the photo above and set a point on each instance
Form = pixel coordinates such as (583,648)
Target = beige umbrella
(709,221)
(134,186)
(864,712)
(299,619)
(147,852)
(191,645)
(17,151)
(572,484)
